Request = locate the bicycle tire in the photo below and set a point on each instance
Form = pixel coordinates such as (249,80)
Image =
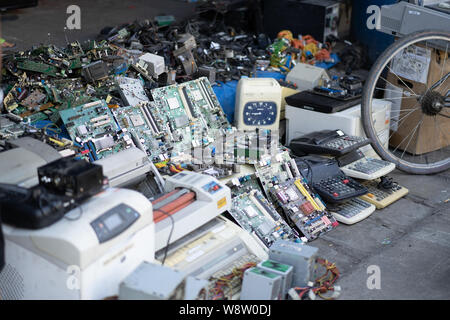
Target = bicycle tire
(367,97)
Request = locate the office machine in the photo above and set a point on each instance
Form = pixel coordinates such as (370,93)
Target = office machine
(18,165)
(150,281)
(309,100)
(328,180)
(383,192)
(403,18)
(330,142)
(260,284)
(258,104)
(306,76)
(351,211)
(191,200)
(213,250)
(84,256)
(285,271)
(301,256)
(301,122)
(356,165)
(318,18)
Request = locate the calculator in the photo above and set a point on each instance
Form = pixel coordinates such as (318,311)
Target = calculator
(339,188)
(382,195)
(351,211)
(327,179)
(356,165)
(331,142)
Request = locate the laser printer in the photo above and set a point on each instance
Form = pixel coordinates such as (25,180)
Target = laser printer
(85,255)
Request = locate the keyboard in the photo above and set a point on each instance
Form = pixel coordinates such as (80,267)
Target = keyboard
(327,179)
(351,211)
(331,142)
(383,197)
(356,165)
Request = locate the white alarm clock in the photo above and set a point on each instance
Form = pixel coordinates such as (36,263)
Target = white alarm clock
(258,103)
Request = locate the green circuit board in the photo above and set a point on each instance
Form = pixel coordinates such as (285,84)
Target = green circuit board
(135,122)
(189,114)
(255,214)
(93,126)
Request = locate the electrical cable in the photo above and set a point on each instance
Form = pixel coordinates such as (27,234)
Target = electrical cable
(166,250)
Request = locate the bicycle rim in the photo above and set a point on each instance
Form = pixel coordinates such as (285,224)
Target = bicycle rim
(419,121)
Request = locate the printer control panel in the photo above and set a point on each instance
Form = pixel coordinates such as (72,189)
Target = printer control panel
(114,221)
(212,187)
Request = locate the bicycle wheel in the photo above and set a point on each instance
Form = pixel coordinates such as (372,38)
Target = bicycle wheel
(418,139)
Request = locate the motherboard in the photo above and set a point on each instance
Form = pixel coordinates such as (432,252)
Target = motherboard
(93,127)
(289,190)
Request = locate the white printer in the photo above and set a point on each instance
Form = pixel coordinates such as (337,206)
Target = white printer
(85,255)
(191,199)
(301,122)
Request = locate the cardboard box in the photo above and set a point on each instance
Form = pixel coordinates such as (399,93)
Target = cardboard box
(416,78)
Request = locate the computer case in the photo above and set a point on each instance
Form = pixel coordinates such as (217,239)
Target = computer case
(318,18)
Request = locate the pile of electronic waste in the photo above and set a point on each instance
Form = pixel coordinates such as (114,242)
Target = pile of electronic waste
(121,173)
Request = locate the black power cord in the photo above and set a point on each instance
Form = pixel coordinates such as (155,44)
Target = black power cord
(166,250)
(386,183)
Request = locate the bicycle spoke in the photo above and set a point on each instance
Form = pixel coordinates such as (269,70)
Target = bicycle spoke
(396,91)
(443,65)
(395,85)
(399,125)
(401,80)
(417,125)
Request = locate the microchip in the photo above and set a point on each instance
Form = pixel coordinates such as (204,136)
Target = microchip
(266,227)
(137,120)
(197,95)
(82,130)
(292,194)
(250,212)
(181,121)
(173,103)
(104,143)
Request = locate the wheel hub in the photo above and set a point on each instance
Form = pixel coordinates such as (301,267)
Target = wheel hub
(432,103)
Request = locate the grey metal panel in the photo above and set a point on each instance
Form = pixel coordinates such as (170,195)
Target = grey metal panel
(300,256)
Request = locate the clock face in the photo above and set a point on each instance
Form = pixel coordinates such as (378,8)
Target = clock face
(260,113)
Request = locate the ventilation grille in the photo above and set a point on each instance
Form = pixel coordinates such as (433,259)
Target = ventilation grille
(389,23)
(11,284)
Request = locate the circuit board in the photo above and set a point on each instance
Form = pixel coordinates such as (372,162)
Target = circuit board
(189,114)
(276,169)
(255,214)
(303,208)
(247,147)
(134,120)
(93,126)
(286,187)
